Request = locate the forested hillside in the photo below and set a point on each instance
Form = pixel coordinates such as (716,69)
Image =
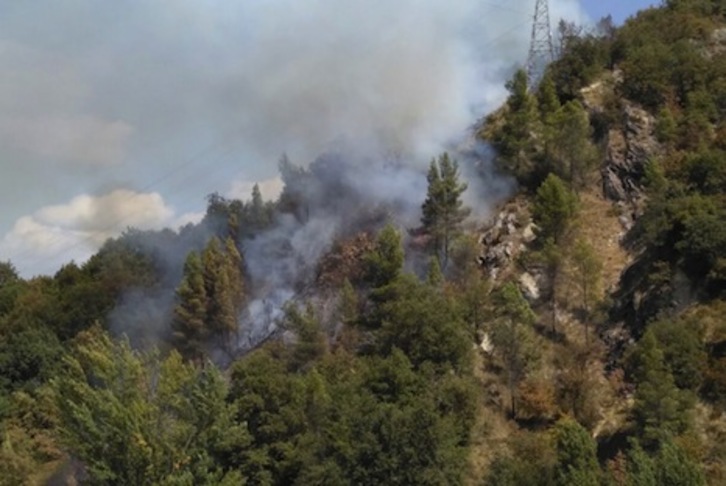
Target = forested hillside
(330,337)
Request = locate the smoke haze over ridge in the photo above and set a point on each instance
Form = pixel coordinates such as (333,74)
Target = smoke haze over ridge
(104,97)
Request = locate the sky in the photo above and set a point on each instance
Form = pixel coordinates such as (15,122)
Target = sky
(619,9)
(128,114)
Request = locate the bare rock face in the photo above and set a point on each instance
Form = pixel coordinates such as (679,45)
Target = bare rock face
(716,44)
(628,151)
(505,238)
(529,286)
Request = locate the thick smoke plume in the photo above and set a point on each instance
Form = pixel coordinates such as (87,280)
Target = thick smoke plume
(403,76)
(379,88)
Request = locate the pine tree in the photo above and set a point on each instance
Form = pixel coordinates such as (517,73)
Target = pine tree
(640,467)
(385,261)
(8,273)
(513,337)
(310,344)
(571,146)
(189,327)
(233,265)
(674,468)
(554,265)
(661,409)
(588,270)
(132,418)
(549,106)
(258,211)
(516,140)
(576,456)
(348,304)
(443,210)
(554,208)
(434,277)
(547,101)
(222,314)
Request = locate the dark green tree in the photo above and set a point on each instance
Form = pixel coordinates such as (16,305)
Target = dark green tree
(554,208)
(683,350)
(661,410)
(553,260)
(641,468)
(425,325)
(547,101)
(310,342)
(571,150)
(588,275)
(134,419)
(224,289)
(674,468)
(443,210)
(189,327)
(385,261)
(576,455)
(515,140)
(8,274)
(259,212)
(513,338)
(434,276)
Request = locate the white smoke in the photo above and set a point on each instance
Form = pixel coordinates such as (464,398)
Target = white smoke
(397,76)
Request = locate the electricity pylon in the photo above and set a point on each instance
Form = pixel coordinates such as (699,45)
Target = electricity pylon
(541,48)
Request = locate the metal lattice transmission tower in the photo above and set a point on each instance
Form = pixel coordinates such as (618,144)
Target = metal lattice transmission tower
(541,48)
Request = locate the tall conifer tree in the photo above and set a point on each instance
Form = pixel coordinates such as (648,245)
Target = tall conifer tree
(189,328)
(443,210)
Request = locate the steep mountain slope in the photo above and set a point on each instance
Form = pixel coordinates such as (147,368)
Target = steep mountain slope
(359,330)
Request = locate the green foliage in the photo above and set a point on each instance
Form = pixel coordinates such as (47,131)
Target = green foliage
(10,287)
(547,101)
(514,140)
(705,172)
(372,420)
(29,356)
(576,455)
(570,151)
(385,262)
(349,305)
(190,331)
(531,463)
(582,57)
(434,276)
(588,276)
(554,208)
(674,468)
(687,230)
(269,400)
(158,421)
(8,274)
(641,468)
(443,210)
(683,351)
(310,341)
(210,299)
(661,410)
(513,338)
(425,325)
(512,305)
(666,127)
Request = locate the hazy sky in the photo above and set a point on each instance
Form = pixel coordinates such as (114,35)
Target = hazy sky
(117,114)
(619,9)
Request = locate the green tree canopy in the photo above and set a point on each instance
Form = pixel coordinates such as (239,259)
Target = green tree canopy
(554,208)
(443,210)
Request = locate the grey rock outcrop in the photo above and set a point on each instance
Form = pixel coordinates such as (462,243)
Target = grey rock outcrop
(505,239)
(530,287)
(627,152)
